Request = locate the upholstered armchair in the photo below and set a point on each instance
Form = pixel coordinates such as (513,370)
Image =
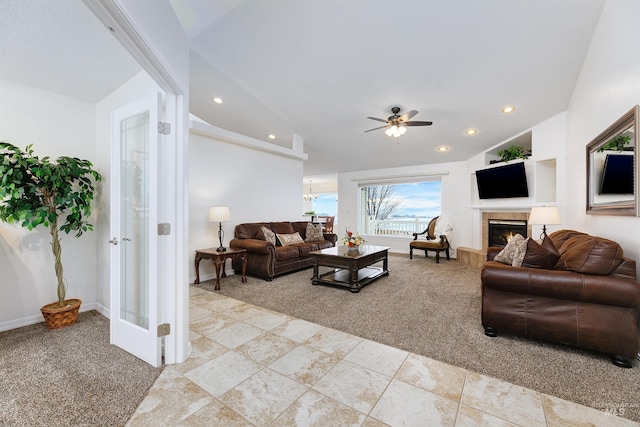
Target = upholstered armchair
(436,238)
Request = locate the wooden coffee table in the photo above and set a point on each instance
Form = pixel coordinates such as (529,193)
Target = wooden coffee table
(352,270)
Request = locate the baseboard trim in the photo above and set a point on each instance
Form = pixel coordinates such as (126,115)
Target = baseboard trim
(37,318)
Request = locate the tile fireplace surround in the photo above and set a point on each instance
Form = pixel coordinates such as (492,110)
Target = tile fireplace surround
(486,216)
(477,257)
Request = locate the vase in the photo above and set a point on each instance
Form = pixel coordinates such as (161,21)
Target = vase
(354,249)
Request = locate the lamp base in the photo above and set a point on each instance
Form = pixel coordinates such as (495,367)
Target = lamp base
(221,249)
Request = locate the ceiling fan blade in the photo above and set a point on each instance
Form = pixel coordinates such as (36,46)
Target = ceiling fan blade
(406,116)
(380,120)
(417,123)
(381,127)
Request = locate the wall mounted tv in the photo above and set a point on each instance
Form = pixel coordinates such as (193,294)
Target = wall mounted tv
(502,182)
(617,175)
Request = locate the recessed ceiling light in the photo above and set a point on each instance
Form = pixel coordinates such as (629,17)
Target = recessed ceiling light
(508,109)
(272,136)
(217,100)
(471,131)
(443,148)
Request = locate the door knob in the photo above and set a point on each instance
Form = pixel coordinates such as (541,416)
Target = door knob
(125,239)
(114,241)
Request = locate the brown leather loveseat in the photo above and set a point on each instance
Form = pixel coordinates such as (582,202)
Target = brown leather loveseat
(273,249)
(573,289)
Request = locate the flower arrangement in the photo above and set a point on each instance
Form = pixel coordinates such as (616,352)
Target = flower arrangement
(352,240)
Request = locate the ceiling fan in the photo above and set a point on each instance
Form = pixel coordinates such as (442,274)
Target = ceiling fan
(396,125)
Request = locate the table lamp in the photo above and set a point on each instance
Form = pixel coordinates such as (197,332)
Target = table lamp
(543,215)
(220,214)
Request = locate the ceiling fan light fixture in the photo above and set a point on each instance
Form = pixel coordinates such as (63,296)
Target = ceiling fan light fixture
(396,131)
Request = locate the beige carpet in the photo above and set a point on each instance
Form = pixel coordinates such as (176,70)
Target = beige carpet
(70,376)
(434,310)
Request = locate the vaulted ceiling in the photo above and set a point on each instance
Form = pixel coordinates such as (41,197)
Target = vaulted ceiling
(319,68)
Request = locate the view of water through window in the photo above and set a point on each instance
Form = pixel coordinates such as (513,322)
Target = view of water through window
(399,209)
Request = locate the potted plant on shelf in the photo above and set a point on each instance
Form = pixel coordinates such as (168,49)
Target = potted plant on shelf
(56,194)
(513,152)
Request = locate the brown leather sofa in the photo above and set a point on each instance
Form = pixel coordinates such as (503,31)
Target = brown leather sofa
(588,298)
(270,259)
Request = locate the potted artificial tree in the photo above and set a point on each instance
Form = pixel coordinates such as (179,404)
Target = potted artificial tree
(37,191)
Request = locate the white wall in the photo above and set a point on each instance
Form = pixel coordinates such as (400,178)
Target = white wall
(455,202)
(56,125)
(608,87)
(257,186)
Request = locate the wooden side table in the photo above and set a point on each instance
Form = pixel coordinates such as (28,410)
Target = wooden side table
(218,259)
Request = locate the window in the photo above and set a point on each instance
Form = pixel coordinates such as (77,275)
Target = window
(326,204)
(399,209)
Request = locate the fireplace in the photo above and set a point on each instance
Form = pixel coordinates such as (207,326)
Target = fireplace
(502,230)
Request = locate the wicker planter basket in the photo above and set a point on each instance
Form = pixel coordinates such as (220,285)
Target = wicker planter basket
(57,317)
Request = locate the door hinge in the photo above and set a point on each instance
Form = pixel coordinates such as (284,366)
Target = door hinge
(164,229)
(164,128)
(164,330)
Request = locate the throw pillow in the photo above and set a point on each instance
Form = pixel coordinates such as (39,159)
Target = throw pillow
(314,233)
(269,235)
(520,253)
(542,255)
(289,239)
(506,255)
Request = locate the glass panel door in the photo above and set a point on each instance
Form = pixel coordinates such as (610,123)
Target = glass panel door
(134,189)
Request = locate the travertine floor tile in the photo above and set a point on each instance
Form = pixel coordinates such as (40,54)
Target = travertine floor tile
(243,311)
(198,312)
(210,323)
(355,386)
(434,376)
(470,417)
(221,305)
(504,400)
(202,351)
(171,399)
(333,342)
(560,412)
(223,373)
(317,410)
(268,320)
(304,364)
(263,397)
(215,414)
(266,348)
(297,330)
(404,404)
(236,334)
(378,357)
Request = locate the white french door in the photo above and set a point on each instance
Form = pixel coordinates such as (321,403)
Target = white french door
(134,212)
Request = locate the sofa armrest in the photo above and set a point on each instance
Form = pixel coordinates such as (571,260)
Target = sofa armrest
(492,251)
(560,284)
(253,245)
(333,238)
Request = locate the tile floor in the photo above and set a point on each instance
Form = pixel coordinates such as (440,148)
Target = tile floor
(255,367)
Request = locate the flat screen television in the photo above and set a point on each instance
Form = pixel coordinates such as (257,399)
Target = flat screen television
(502,182)
(617,175)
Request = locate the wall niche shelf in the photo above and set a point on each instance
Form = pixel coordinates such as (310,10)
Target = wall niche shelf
(523,140)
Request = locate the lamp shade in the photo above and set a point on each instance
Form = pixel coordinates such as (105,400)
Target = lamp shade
(219,214)
(544,215)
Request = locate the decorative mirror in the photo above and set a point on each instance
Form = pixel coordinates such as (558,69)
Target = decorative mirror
(612,168)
